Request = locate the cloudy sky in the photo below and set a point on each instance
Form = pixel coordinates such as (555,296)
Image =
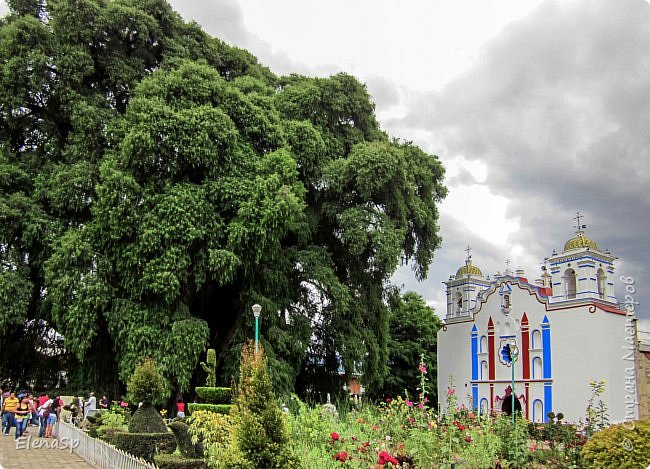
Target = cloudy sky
(537,108)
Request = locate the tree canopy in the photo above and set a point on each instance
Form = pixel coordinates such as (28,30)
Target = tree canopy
(413,336)
(155,182)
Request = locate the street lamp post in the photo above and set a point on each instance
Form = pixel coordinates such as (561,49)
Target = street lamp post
(256,312)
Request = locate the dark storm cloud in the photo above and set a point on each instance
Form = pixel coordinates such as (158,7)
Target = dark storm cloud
(558,107)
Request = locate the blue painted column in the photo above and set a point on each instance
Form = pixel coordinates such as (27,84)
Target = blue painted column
(546,367)
(475,402)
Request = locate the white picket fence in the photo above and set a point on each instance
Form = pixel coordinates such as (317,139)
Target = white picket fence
(97,452)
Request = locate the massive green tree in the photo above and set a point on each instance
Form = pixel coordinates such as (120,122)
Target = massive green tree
(413,336)
(156,182)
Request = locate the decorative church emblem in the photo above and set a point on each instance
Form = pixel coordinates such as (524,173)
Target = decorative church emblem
(506,294)
(509,352)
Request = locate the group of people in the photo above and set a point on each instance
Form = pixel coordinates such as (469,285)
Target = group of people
(24,409)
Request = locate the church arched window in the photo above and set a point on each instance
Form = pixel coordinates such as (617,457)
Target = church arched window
(570,284)
(484,370)
(602,284)
(484,406)
(538,411)
(536,341)
(483,345)
(459,302)
(537,368)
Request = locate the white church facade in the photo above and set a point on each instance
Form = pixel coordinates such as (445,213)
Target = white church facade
(567,327)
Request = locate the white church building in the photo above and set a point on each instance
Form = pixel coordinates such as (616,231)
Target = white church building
(567,327)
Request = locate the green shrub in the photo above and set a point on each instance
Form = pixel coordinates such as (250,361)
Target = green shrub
(212,430)
(214,395)
(145,445)
(146,383)
(514,439)
(184,440)
(178,461)
(259,436)
(111,423)
(625,445)
(218,408)
(147,420)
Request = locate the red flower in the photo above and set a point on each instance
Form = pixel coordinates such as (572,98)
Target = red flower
(468,439)
(384,458)
(341,456)
(335,436)
(389,400)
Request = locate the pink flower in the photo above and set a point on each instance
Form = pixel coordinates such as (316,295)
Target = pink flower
(411,420)
(422,368)
(421,406)
(409,403)
(389,400)
(451,392)
(471,415)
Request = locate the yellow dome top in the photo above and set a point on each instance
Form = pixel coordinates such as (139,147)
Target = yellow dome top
(469,269)
(579,241)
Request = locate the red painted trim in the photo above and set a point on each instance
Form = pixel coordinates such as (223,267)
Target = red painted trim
(527,386)
(525,345)
(491,369)
(491,397)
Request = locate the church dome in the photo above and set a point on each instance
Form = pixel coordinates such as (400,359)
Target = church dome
(469,269)
(579,241)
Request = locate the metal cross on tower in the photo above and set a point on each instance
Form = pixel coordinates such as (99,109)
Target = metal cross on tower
(468,250)
(577,218)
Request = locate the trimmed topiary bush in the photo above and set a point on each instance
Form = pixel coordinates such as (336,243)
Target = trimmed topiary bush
(147,420)
(218,408)
(145,445)
(146,383)
(210,367)
(211,395)
(625,445)
(184,440)
(178,461)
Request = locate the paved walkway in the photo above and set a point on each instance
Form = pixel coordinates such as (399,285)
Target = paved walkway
(37,453)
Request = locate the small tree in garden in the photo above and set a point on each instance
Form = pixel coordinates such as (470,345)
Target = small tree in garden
(259,436)
(146,386)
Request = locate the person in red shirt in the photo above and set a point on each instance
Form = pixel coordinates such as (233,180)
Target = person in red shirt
(42,399)
(180,408)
